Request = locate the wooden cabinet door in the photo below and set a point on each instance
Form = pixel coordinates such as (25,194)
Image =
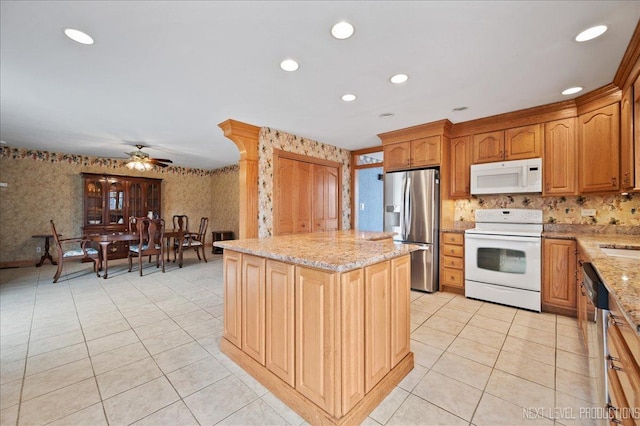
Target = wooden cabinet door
(303,185)
(325,198)
(425,151)
(332,187)
(636,128)
(137,204)
(627,177)
(460,167)
(559,274)
(116,201)
(352,337)
(599,150)
(94,201)
(232,297)
(318,219)
(560,157)
(523,142)
(315,300)
(253,307)
(400,308)
(397,156)
(488,147)
(286,193)
(377,323)
(153,197)
(279,320)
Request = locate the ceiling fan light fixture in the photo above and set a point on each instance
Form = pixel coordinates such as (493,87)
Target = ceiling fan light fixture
(78,36)
(591,33)
(342,30)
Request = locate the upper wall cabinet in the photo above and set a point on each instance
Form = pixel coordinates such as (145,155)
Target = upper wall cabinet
(627,180)
(460,167)
(511,144)
(599,150)
(560,151)
(413,154)
(636,128)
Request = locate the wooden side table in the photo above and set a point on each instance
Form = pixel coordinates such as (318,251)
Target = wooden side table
(46,254)
(220,236)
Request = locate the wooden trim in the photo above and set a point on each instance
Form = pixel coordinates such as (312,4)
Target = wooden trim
(523,117)
(305,158)
(605,95)
(246,136)
(302,405)
(554,309)
(369,150)
(630,63)
(435,128)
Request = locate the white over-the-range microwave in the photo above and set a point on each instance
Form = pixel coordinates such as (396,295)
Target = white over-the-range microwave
(507,177)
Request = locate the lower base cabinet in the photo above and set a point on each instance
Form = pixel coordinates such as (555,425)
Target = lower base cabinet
(333,337)
(559,276)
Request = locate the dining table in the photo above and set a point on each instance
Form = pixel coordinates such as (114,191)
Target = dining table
(104,240)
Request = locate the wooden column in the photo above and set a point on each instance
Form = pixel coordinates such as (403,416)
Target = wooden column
(245,136)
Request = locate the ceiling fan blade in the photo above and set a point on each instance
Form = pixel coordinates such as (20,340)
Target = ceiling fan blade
(156,163)
(161,159)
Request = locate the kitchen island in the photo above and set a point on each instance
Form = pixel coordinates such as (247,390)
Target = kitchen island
(321,319)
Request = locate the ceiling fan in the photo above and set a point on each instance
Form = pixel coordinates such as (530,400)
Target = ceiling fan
(140,160)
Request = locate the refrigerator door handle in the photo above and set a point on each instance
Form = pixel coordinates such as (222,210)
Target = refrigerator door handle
(407,208)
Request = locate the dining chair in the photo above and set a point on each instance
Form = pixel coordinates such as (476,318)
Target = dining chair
(195,241)
(68,248)
(151,235)
(181,221)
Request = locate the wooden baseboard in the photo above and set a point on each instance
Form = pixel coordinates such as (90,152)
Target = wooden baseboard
(18,264)
(451,289)
(303,406)
(559,310)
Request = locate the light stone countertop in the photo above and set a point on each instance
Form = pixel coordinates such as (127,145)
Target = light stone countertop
(337,251)
(621,275)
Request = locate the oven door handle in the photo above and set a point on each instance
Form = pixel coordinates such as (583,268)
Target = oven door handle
(501,238)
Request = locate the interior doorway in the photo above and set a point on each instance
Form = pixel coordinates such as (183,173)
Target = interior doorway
(368,190)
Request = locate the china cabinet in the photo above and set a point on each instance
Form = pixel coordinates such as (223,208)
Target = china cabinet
(110,200)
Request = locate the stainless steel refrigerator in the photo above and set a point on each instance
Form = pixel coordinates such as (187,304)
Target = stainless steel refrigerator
(411,210)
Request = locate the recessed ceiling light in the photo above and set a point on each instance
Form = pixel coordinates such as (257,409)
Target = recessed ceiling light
(572,90)
(591,33)
(78,36)
(289,65)
(399,78)
(342,30)
(349,97)
(386,115)
(462,108)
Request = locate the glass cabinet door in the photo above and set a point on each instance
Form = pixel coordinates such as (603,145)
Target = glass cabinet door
(116,202)
(94,202)
(136,202)
(153,198)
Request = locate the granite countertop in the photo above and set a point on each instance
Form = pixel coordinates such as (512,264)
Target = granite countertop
(621,275)
(337,251)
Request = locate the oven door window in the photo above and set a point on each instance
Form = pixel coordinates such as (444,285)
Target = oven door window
(502,260)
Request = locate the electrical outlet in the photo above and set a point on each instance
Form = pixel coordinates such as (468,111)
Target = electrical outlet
(38,249)
(361,206)
(588,212)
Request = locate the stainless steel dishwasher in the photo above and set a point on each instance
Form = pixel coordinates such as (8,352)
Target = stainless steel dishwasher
(598,298)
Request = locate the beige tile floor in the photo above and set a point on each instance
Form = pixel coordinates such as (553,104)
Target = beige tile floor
(144,351)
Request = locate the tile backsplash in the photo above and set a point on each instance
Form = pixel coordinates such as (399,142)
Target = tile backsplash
(614,209)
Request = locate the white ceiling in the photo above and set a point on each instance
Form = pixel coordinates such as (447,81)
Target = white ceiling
(166,73)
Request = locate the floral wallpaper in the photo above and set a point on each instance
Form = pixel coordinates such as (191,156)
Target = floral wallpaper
(45,185)
(614,209)
(270,139)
